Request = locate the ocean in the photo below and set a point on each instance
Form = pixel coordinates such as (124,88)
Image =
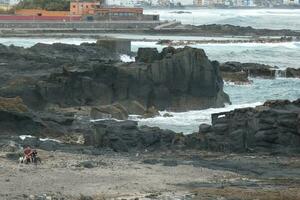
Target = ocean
(282,55)
(257,18)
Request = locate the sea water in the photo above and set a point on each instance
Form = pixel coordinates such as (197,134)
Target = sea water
(282,55)
(257,18)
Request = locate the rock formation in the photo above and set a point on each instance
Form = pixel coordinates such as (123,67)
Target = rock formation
(127,136)
(15,118)
(292,73)
(273,127)
(87,75)
(240,72)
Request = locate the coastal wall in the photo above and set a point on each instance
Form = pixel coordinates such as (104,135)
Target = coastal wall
(34,18)
(6,25)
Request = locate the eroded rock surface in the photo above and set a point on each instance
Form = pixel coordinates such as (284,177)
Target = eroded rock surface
(87,75)
(273,127)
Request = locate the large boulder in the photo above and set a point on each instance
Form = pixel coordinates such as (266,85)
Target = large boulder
(127,136)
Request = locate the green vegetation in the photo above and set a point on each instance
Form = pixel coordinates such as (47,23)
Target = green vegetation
(51,5)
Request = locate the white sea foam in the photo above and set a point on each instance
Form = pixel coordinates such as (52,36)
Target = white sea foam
(23,137)
(187,122)
(126,58)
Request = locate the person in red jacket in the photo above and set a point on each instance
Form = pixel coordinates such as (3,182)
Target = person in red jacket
(27,154)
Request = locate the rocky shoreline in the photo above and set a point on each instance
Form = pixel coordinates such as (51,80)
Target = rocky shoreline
(61,88)
(168,28)
(73,95)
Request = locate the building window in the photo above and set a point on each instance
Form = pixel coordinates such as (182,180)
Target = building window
(87,6)
(74,6)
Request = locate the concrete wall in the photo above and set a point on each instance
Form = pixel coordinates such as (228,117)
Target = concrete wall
(77,25)
(120,46)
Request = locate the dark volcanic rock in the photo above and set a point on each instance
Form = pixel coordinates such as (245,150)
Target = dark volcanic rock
(273,127)
(91,75)
(16,119)
(22,68)
(240,72)
(127,136)
(227,29)
(183,80)
(292,73)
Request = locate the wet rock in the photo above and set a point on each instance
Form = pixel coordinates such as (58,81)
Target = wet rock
(236,77)
(292,73)
(168,115)
(240,72)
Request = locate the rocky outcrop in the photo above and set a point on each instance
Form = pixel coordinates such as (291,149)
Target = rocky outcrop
(22,68)
(273,127)
(89,75)
(240,72)
(180,79)
(227,30)
(186,79)
(292,73)
(15,118)
(127,136)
